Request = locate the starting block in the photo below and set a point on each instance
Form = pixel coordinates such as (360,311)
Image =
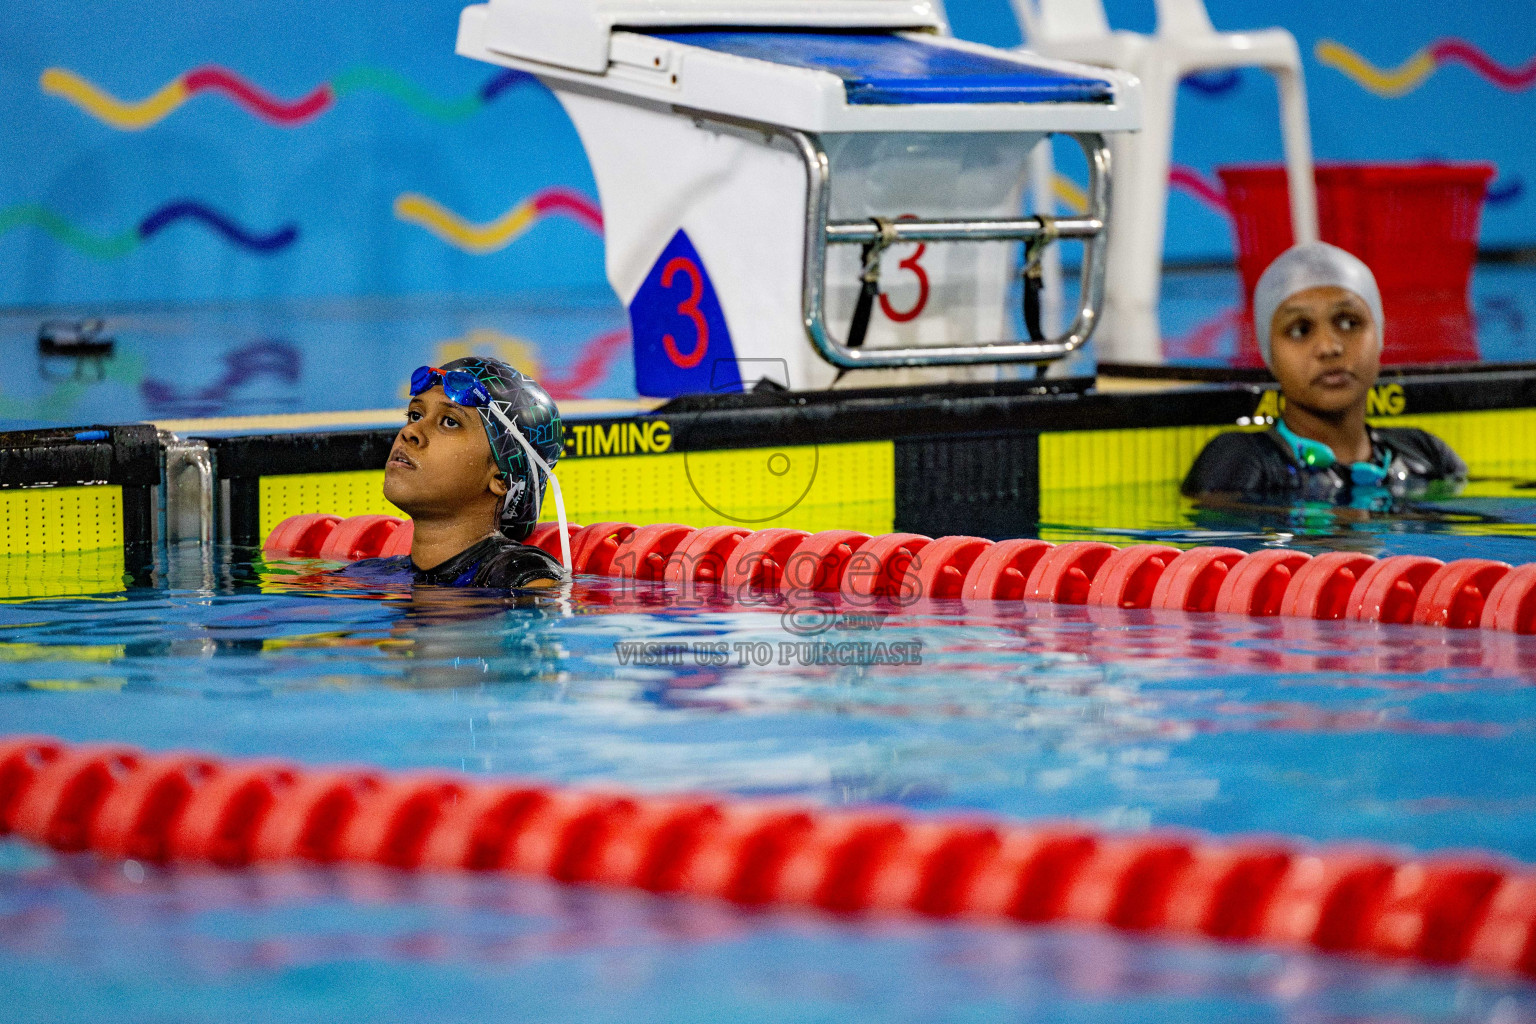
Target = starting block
(795,189)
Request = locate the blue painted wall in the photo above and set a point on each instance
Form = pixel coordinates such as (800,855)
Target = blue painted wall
(210,201)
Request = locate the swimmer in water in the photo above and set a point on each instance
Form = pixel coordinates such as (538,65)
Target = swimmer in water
(1317,314)
(468,482)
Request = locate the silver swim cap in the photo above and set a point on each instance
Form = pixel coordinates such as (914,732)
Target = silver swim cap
(1312,265)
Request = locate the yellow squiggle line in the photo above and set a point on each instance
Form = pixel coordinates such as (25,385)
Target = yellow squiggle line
(130,117)
(455,230)
(1070,193)
(1399,81)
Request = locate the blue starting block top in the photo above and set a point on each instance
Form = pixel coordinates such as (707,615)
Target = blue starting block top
(887,69)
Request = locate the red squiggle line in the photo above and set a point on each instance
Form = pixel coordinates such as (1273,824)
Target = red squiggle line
(1464,52)
(1200,342)
(1198,185)
(591,366)
(217,79)
(571,203)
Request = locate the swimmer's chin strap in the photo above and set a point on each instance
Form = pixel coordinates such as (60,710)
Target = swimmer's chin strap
(1316,455)
(549,474)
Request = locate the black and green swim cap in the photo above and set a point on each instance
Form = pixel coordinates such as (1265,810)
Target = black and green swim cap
(525,403)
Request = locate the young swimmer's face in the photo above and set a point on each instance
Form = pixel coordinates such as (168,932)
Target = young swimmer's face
(441,464)
(1323,349)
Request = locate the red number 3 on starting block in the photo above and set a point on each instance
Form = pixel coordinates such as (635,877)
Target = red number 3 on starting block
(689,308)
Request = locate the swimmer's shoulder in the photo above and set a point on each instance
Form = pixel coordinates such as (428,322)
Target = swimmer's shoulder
(512,565)
(1431,457)
(1241,462)
(395,565)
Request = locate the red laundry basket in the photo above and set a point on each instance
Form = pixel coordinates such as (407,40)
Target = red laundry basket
(1414,225)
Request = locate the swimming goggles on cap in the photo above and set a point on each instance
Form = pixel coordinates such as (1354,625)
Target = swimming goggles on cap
(1316,455)
(462,388)
(459,387)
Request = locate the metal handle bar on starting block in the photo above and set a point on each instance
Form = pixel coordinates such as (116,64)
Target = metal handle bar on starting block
(819,233)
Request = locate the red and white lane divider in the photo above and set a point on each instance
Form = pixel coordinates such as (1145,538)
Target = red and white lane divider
(905,567)
(1471,910)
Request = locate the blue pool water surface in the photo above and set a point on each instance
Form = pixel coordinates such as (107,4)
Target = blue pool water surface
(1411,737)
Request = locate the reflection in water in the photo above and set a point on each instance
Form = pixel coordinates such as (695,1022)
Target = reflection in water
(260,358)
(264,357)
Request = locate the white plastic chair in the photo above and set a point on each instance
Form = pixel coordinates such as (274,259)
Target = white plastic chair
(1185,42)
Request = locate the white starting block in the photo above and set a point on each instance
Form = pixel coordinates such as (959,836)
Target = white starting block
(800,164)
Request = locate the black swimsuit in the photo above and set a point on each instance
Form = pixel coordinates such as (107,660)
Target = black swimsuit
(493,562)
(1262,465)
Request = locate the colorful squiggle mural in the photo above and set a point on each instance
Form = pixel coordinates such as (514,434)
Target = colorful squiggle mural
(266,357)
(1213,83)
(588,369)
(1071,195)
(1203,341)
(1506,190)
(136,115)
(113,246)
(1413,72)
(1209,192)
(493,236)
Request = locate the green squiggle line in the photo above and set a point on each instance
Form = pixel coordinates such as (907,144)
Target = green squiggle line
(64,231)
(406,91)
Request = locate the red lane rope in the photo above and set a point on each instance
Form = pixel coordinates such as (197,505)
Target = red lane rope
(1471,910)
(778,566)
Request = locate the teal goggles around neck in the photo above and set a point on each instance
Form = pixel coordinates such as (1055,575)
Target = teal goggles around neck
(1318,456)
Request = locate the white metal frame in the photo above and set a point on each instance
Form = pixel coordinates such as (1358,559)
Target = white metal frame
(1185,42)
(658,80)
(819,233)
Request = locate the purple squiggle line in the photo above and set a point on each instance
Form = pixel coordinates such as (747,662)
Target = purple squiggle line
(190,208)
(1214,83)
(499,84)
(263,358)
(1506,190)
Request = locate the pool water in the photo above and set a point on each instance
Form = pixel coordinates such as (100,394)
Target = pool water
(1412,737)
